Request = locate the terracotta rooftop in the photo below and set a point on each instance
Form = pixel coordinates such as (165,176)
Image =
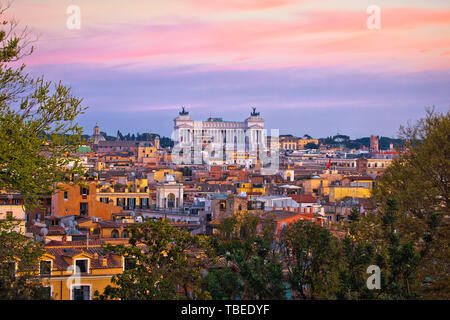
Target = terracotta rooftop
(303,198)
(95,263)
(278,215)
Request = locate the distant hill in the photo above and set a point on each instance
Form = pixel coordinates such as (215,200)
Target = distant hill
(384,142)
(338,140)
(163,141)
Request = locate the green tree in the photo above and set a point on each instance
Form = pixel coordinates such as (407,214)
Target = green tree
(187,172)
(354,214)
(418,183)
(253,256)
(19,263)
(356,257)
(38,131)
(222,283)
(168,264)
(38,136)
(166,142)
(311,145)
(311,255)
(375,239)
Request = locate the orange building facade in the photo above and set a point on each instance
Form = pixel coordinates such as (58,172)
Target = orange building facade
(81,201)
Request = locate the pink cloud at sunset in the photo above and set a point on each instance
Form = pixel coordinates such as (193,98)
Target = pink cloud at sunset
(315,38)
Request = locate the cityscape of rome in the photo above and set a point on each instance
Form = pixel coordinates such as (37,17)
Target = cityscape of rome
(223,150)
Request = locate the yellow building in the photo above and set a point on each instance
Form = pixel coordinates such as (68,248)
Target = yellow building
(377,166)
(358,181)
(340,192)
(243,158)
(76,272)
(316,186)
(301,143)
(251,188)
(104,229)
(288,143)
(294,143)
(146,153)
(160,175)
(133,195)
(11,207)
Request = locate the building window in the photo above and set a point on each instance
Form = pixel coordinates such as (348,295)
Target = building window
(81,293)
(114,234)
(66,195)
(144,202)
(129,263)
(83,208)
(171,200)
(45,268)
(82,265)
(131,203)
(84,191)
(47,292)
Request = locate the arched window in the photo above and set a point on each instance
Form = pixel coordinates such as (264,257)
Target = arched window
(125,234)
(114,234)
(171,200)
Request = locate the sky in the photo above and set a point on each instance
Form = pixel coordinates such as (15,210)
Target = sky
(308,66)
